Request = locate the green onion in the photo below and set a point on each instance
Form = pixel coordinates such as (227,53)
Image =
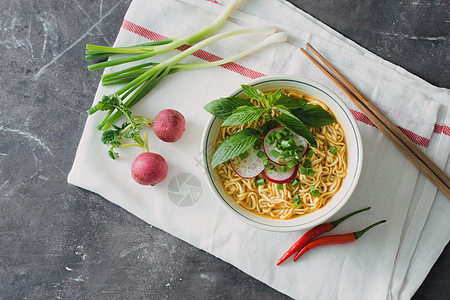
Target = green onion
(260,181)
(310,172)
(283,168)
(284,132)
(307,163)
(243,155)
(333,150)
(292,163)
(280,186)
(304,171)
(295,182)
(315,193)
(141,79)
(297,200)
(310,153)
(311,187)
(285,143)
(278,136)
(260,154)
(274,153)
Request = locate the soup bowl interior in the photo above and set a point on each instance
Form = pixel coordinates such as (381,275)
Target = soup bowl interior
(354,156)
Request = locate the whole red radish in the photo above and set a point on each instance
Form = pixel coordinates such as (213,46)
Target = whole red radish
(169,125)
(149,168)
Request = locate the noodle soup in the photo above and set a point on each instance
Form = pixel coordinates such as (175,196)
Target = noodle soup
(268,207)
(328,162)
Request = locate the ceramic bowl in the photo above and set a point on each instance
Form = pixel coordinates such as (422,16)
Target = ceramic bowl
(355,156)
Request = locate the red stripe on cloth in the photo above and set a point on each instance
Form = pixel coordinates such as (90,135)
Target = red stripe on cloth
(441,129)
(417,139)
(202,54)
(244,71)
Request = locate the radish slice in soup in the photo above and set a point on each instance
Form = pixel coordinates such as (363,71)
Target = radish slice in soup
(248,165)
(275,175)
(275,150)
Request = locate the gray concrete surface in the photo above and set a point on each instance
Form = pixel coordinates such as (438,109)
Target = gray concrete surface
(60,242)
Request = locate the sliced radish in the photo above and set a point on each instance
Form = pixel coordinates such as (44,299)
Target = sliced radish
(277,176)
(299,141)
(248,167)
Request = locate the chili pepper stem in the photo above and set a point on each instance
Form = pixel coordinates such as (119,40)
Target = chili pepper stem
(358,234)
(336,223)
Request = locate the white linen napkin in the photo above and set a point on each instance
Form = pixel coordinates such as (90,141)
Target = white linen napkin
(389,261)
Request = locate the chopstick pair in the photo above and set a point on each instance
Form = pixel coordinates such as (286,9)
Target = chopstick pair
(400,140)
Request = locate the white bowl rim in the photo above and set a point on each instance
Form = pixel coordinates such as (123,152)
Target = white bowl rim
(322,218)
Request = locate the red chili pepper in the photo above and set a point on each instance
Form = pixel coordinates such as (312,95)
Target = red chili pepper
(335,239)
(315,232)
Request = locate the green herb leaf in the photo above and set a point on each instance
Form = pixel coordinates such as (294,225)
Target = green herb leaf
(243,115)
(254,93)
(134,134)
(234,145)
(273,97)
(224,107)
(287,102)
(297,127)
(313,115)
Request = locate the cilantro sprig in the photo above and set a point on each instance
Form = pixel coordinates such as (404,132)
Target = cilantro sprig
(116,136)
(296,114)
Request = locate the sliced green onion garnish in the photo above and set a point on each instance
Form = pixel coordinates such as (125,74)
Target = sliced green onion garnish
(304,171)
(280,186)
(243,155)
(275,153)
(315,193)
(310,153)
(291,163)
(307,163)
(296,198)
(295,182)
(278,136)
(285,143)
(260,154)
(283,168)
(284,131)
(260,181)
(311,187)
(333,150)
(310,172)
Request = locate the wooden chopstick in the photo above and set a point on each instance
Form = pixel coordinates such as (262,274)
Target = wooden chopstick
(397,137)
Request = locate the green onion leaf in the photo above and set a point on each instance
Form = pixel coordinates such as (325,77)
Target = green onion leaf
(333,150)
(283,168)
(307,164)
(280,186)
(260,181)
(295,182)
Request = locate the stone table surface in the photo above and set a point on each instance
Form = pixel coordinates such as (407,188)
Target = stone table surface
(59,241)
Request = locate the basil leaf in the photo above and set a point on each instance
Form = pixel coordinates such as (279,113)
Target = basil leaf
(297,127)
(224,107)
(234,145)
(254,93)
(244,114)
(313,115)
(290,102)
(273,97)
